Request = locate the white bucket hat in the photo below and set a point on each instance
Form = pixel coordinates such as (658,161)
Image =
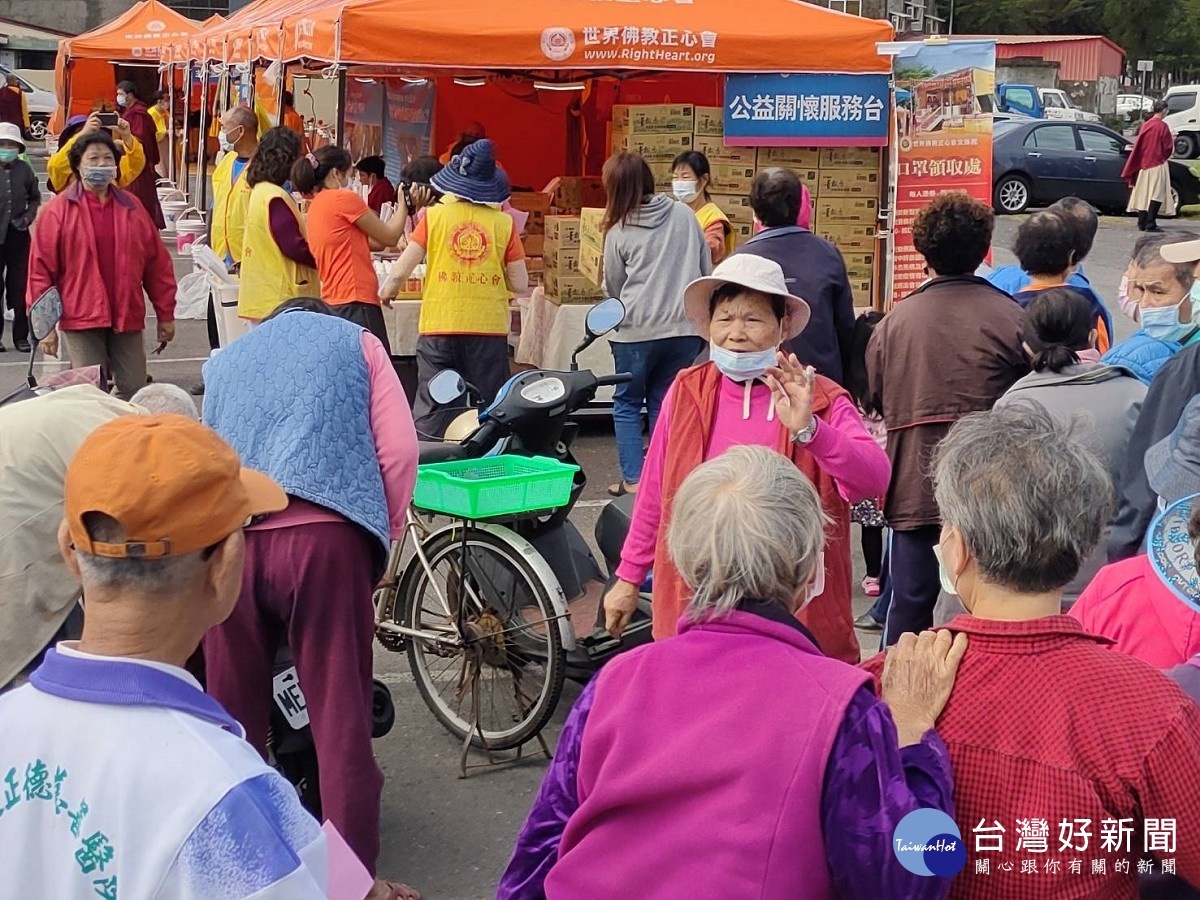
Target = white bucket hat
(749,271)
(1180,252)
(11,132)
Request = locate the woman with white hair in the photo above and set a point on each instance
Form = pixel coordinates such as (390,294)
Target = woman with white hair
(1045,723)
(684,764)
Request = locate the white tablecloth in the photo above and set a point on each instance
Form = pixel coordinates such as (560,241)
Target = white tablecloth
(550,333)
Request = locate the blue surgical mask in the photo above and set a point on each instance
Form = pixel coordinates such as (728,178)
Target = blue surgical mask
(99,176)
(744,366)
(122,99)
(1194,299)
(8,155)
(1163,322)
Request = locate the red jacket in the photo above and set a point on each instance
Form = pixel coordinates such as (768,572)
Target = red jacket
(1152,147)
(1128,603)
(63,255)
(829,617)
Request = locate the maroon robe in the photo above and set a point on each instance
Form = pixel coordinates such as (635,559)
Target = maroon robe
(144,187)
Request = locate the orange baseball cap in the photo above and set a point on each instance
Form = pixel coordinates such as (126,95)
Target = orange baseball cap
(173,485)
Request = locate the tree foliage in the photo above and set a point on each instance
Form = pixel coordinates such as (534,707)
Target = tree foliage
(1167,31)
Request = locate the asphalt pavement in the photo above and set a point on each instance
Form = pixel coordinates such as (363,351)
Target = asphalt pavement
(448,836)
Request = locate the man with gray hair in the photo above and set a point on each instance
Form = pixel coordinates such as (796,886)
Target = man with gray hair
(1043,715)
(769,781)
(1167,308)
(813,268)
(1175,382)
(128,772)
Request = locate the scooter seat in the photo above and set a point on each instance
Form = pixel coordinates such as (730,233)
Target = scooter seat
(440,451)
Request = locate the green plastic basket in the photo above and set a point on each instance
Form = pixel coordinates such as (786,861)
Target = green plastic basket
(494,486)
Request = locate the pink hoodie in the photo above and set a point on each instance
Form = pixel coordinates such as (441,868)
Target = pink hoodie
(1129,603)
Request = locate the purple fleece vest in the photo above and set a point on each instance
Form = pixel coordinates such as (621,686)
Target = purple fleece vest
(702,765)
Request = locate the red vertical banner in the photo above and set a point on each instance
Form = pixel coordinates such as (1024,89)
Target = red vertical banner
(944,130)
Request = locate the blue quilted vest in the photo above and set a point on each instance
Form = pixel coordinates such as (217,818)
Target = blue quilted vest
(1143,355)
(292,397)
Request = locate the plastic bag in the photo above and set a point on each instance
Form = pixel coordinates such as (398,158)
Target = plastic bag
(191,296)
(204,258)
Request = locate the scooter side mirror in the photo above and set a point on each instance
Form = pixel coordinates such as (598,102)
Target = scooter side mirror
(45,314)
(604,317)
(446,386)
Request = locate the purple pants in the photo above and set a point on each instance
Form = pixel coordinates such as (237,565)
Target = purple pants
(310,585)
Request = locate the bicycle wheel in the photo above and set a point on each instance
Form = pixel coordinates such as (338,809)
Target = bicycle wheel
(506,673)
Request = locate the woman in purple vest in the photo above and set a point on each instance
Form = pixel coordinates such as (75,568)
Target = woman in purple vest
(725,757)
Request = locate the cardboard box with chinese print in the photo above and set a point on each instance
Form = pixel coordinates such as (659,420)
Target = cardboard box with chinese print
(666,118)
(562,231)
(654,148)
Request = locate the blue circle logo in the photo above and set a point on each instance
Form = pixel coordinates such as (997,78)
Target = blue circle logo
(927,842)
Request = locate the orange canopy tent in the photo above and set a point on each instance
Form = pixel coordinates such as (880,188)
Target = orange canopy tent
(676,48)
(542,35)
(84,74)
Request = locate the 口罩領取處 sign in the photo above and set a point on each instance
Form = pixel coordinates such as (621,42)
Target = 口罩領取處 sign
(808,110)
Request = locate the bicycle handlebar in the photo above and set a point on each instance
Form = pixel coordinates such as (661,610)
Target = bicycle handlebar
(619,378)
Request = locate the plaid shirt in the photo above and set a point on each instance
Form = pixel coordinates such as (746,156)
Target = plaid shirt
(1046,723)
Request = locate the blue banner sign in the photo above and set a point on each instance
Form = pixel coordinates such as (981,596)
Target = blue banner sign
(806,109)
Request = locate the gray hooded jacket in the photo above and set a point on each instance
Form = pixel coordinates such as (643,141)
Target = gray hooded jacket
(648,261)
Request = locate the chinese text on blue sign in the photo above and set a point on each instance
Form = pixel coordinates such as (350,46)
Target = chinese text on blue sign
(803,109)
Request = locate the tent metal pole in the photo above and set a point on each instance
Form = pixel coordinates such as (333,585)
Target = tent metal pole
(341,110)
(171,122)
(187,128)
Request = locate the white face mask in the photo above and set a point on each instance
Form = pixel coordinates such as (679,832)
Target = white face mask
(947,582)
(685,191)
(744,366)
(817,588)
(227,143)
(122,99)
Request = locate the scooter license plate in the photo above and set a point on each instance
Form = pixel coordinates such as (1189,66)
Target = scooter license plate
(290,699)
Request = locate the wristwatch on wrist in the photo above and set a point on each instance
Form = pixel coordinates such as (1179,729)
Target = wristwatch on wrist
(807,433)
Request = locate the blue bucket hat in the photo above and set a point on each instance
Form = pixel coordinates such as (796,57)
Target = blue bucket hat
(1171,552)
(1173,464)
(473,175)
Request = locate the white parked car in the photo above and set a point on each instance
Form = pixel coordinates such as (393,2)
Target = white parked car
(1129,105)
(1059,105)
(1183,117)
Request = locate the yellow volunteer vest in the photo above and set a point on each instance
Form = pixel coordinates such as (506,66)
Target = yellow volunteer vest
(465,290)
(269,277)
(710,213)
(230,202)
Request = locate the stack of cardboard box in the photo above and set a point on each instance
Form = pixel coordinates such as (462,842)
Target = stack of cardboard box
(658,133)
(844,182)
(563,281)
(845,186)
